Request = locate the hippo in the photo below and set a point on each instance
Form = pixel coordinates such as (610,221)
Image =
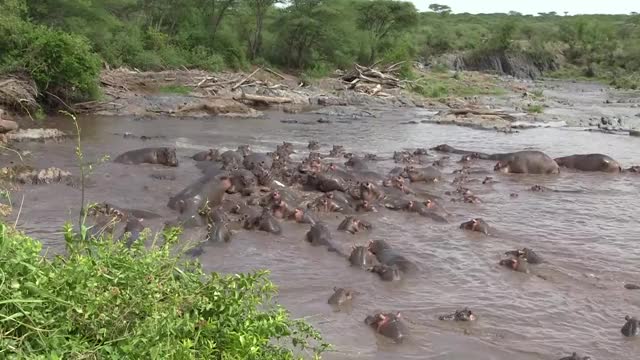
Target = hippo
(529,255)
(632,287)
(516,263)
(388,325)
(205,190)
(218,232)
(460,315)
(356,163)
(361,256)
(387,256)
(476,224)
(313,145)
(243,182)
(477,155)
(340,297)
(633,169)
(208,155)
(575,356)
(631,327)
(366,206)
(340,199)
(327,182)
(324,204)
(420,208)
(282,210)
(353,225)
(319,235)
(249,215)
(255,161)
(370,157)
(336,151)
(527,162)
(368,191)
(232,157)
(133,227)
(397,202)
(266,222)
(488,180)
(589,162)
(386,272)
(157,155)
(428,174)
(304,216)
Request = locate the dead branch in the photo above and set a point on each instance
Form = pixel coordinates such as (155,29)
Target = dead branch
(262,99)
(275,73)
(245,79)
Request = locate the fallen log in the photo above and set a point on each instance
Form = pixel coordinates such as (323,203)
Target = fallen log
(245,79)
(481,112)
(263,99)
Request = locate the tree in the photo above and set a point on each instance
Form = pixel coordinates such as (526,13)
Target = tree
(259,8)
(440,9)
(514,13)
(216,10)
(380,18)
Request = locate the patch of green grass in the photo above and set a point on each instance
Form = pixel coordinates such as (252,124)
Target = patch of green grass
(537,93)
(535,109)
(175,89)
(442,85)
(105,300)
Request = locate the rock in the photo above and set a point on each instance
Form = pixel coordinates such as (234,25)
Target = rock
(7,125)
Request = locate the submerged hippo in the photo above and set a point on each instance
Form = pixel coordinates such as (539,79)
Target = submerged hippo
(362,257)
(527,254)
(255,161)
(353,225)
(527,162)
(319,235)
(516,264)
(589,162)
(388,324)
(313,145)
(460,315)
(157,155)
(476,224)
(340,297)
(206,190)
(387,256)
(428,174)
(386,272)
(631,327)
(266,222)
(207,155)
(575,356)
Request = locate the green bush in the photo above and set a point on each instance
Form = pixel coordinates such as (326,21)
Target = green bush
(107,301)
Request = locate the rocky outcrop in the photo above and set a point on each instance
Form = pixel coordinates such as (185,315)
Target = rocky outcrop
(518,65)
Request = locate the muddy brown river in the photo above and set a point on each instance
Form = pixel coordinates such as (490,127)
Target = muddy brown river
(589,238)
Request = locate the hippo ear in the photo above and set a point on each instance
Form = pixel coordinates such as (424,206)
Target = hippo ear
(398,314)
(474,221)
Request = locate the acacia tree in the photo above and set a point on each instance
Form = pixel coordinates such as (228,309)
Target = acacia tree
(380,18)
(440,9)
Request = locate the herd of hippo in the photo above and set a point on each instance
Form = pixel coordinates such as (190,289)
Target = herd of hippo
(242,189)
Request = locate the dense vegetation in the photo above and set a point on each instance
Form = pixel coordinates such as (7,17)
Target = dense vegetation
(107,301)
(61,42)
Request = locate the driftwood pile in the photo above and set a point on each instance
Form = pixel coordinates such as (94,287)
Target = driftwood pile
(372,80)
(18,93)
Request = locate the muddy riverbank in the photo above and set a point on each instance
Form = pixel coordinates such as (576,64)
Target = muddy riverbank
(578,302)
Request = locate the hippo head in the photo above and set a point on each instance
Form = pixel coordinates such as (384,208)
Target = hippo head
(537,188)
(475,224)
(516,264)
(631,327)
(378,246)
(443,148)
(465,315)
(169,156)
(244,150)
(313,145)
(430,204)
(502,166)
(420,151)
(370,156)
(386,273)
(298,214)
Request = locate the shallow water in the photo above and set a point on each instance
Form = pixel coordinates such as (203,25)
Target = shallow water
(588,239)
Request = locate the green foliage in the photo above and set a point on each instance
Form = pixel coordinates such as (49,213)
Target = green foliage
(441,85)
(535,109)
(107,301)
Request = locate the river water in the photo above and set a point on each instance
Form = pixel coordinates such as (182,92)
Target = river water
(589,238)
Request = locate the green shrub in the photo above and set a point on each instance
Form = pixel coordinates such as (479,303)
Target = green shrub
(535,109)
(107,301)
